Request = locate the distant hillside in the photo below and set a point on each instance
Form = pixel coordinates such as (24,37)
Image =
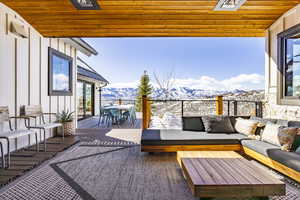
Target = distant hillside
(183,93)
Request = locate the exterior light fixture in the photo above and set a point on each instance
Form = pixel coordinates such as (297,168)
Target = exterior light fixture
(86,4)
(229,5)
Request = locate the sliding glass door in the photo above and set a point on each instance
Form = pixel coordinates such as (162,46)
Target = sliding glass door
(85,95)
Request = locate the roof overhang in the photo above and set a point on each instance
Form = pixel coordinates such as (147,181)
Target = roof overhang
(146,18)
(92,75)
(81,45)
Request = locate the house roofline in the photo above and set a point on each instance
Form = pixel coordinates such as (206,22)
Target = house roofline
(81,45)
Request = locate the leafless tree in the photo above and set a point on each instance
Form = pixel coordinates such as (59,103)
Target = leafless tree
(165,83)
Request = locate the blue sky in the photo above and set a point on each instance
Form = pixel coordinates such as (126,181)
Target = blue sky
(216,62)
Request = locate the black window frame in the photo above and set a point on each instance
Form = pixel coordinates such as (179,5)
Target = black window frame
(281,58)
(51,91)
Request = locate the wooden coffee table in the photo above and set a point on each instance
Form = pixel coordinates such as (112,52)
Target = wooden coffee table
(227,175)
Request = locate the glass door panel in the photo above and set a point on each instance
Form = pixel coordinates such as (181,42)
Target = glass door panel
(80,99)
(89,99)
(85,93)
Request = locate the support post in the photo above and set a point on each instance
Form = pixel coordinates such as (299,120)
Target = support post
(219,105)
(182,108)
(235,108)
(228,108)
(145,112)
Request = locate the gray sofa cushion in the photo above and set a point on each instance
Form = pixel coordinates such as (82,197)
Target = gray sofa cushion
(179,137)
(259,146)
(192,124)
(217,124)
(289,159)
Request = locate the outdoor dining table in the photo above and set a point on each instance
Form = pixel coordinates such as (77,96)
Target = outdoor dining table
(122,110)
(120,107)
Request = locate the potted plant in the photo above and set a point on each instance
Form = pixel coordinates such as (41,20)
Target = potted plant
(67,120)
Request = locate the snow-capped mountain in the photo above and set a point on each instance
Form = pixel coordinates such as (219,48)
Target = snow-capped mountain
(174,93)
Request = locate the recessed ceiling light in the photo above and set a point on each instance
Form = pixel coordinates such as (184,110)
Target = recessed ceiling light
(86,4)
(229,5)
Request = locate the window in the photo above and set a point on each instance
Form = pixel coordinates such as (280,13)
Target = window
(60,74)
(289,62)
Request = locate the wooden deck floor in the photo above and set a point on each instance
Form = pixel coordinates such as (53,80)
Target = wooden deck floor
(92,122)
(24,160)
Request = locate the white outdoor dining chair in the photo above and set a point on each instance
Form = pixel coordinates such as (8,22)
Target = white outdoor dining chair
(35,112)
(11,134)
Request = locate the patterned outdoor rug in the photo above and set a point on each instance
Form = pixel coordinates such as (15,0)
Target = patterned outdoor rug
(107,173)
(108,137)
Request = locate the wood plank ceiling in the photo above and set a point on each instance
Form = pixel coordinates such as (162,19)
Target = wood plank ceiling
(150,18)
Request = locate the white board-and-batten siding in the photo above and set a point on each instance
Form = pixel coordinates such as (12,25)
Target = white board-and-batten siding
(24,68)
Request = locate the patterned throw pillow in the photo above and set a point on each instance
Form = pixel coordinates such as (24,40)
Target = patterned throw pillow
(278,135)
(246,127)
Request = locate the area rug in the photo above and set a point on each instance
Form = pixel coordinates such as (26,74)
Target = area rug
(110,173)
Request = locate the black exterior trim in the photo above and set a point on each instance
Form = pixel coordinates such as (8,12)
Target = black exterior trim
(90,74)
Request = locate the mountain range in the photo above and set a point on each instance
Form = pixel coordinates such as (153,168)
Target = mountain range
(174,93)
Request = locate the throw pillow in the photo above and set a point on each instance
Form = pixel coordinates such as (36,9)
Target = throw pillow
(192,124)
(296,144)
(298,150)
(217,124)
(278,135)
(245,126)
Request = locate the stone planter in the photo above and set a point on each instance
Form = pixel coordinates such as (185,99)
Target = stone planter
(69,128)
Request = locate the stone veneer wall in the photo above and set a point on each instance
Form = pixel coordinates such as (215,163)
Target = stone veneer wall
(274,107)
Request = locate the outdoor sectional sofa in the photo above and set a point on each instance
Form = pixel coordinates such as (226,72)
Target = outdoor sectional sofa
(165,140)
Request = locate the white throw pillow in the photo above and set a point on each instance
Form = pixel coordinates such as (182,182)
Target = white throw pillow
(246,126)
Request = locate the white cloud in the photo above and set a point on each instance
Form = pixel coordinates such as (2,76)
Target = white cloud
(60,82)
(242,82)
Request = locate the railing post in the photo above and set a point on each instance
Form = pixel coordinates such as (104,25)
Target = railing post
(228,108)
(182,111)
(219,105)
(235,108)
(148,112)
(258,106)
(145,112)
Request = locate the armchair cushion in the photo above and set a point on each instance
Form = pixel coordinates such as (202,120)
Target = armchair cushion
(48,126)
(16,133)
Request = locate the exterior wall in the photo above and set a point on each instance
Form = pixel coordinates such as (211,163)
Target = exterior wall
(274,107)
(24,68)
